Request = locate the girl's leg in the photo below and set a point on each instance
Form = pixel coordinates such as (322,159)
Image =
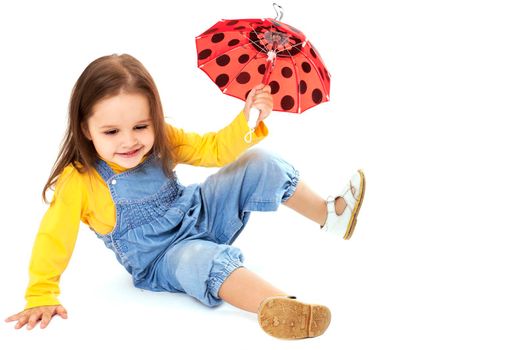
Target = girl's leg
(257,181)
(245,290)
(309,204)
(278,315)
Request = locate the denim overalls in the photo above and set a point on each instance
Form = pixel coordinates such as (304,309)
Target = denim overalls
(174,238)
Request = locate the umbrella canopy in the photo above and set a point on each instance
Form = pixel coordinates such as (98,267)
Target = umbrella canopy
(238,54)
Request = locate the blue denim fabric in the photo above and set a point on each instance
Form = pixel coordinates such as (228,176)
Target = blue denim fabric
(177,238)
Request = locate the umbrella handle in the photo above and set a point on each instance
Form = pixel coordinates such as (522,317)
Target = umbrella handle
(254,115)
(279,10)
(248,136)
(252,123)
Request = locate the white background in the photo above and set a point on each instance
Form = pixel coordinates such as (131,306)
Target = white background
(427,97)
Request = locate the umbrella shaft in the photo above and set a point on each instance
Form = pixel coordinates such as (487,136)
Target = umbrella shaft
(268,72)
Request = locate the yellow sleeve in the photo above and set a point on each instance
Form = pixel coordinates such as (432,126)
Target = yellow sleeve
(214,148)
(55,240)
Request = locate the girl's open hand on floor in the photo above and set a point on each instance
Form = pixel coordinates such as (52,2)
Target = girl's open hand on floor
(32,316)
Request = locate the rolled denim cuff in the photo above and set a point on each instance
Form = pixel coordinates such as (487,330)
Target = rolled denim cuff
(224,264)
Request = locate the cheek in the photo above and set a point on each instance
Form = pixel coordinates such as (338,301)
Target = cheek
(151,137)
(101,145)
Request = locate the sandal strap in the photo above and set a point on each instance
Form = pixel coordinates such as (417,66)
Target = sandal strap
(330,204)
(330,207)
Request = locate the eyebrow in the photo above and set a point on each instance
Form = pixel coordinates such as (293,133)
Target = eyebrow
(115,126)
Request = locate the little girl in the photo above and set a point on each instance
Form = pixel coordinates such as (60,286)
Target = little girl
(114,172)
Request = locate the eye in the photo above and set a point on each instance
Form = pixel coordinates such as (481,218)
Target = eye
(111,132)
(141,127)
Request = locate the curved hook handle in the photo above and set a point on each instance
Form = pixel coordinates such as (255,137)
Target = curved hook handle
(279,11)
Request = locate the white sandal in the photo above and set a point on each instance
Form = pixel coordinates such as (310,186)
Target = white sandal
(343,225)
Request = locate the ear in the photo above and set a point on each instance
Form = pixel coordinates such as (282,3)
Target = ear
(85,131)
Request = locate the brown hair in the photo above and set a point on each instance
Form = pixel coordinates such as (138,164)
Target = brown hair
(107,76)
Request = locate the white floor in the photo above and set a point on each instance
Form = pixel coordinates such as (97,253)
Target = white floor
(426,98)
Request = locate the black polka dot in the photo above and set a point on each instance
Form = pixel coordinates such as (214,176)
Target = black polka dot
(302,87)
(306,67)
(262,68)
(243,78)
(244,58)
(240,28)
(312,51)
(294,50)
(233,42)
(209,31)
(286,72)
(217,37)
(204,54)
(254,38)
(317,96)
(232,23)
(287,102)
(275,87)
(222,80)
(223,60)
(296,47)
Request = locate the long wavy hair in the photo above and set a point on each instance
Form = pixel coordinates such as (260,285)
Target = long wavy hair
(105,77)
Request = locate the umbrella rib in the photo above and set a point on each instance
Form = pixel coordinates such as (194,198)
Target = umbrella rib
(291,47)
(236,31)
(297,84)
(247,63)
(253,42)
(316,70)
(261,50)
(233,30)
(219,53)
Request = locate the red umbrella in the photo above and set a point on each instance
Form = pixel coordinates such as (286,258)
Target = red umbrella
(240,53)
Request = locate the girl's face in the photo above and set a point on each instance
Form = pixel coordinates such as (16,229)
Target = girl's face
(121,129)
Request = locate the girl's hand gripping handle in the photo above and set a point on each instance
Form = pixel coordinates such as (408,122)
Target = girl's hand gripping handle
(259,98)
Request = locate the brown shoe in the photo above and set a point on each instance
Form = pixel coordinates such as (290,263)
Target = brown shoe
(287,318)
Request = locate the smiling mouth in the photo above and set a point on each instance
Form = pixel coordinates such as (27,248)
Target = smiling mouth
(130,154)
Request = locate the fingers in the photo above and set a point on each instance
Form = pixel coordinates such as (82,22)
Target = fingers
(263,101)
(46,318)
(21,317)
(22,321)
(266,88)
(13,317)
(33,320)
(62,312)
(260,97)
(258,87)
(33,316)
(254,91)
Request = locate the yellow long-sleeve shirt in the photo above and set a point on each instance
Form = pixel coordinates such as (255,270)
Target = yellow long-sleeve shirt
(84,197)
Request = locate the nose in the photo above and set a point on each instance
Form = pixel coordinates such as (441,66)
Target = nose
(129,140)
